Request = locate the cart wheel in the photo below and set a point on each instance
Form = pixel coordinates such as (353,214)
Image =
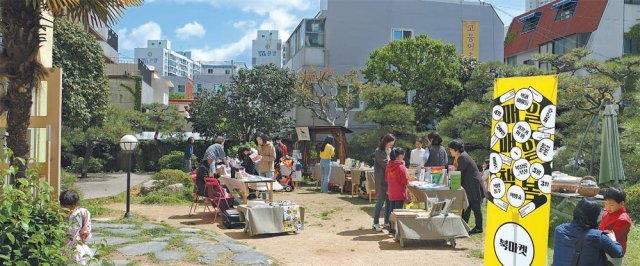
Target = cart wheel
(288,188)
(453,242)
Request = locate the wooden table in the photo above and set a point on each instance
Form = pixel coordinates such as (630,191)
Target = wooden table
(568,202)
(242,185)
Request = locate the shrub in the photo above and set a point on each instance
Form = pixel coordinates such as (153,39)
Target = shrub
(632,203)
(95,165)
(32,228)
(174,160)
(165,197)
(168,177)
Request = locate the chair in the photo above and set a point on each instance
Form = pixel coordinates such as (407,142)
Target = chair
(355,181)
(370,184)
(216,194)
(196,198)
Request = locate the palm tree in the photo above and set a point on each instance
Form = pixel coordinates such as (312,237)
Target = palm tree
(21,22)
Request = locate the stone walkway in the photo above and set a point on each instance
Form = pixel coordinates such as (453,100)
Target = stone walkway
(148,243)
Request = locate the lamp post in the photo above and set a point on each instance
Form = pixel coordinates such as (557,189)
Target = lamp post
(128,144)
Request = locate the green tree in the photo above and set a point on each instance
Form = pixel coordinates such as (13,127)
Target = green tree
(20,26)
(163,118)
(85,97)
(117,123)
(209,112)
(427,66)
(387,108)
(257,99)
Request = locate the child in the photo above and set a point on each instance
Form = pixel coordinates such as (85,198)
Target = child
(616,219)
(397,178)
(79,222)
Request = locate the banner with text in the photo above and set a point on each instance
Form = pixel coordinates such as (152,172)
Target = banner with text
(470,41)
(522,139)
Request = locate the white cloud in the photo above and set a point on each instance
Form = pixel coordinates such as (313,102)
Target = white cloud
(271,15)
(137,37)
(244,24)
(189,30)
(280,19)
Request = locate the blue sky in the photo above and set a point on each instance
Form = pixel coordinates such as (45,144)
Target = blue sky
(223,29)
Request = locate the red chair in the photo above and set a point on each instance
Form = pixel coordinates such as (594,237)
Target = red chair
(196,198)
(216,194)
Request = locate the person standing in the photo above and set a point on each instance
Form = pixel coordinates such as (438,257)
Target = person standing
(327,151)
(244,155)
(580,242)
(268,156)
(215,153)
(616,220)
(397,178)
(79,227)
(435,154)
(417,159)
(471,182)
(188,153)
(381,159)
(486,175)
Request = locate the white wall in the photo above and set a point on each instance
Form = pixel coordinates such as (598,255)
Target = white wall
(631,16)
(607,41)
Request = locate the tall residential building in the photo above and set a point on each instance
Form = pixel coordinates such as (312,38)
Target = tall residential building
(167,62)
(267,49)
(562,25)
(344,33)
(533,4)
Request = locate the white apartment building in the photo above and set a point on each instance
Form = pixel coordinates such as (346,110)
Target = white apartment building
(167,62)
(266,49)
(533,4)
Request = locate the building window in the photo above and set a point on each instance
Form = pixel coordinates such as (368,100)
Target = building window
(566,44)
(565,9)
(198,87)
(512,60)
(633,2)
(227,71)
(546,48)
(181,88)
(314,33)
(209,71)
(530,22)
(631,46)
(399,34)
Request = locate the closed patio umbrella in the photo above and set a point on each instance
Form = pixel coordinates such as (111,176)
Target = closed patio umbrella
(610,160)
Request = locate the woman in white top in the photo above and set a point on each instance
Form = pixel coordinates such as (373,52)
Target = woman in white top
(417,158)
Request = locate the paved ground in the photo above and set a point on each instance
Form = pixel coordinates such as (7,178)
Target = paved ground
(160,244)
(108,185)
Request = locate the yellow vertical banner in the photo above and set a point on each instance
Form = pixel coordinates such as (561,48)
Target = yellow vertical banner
(470,41)
(522,140)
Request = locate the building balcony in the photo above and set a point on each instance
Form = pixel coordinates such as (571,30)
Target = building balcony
(307,57)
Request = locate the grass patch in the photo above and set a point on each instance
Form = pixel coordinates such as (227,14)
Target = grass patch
(165,197)
(476,253)
(326,215)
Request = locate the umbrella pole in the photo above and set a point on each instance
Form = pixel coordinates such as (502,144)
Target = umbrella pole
(593,144)
(579,152)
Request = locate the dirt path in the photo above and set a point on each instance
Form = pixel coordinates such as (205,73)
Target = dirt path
(337,232)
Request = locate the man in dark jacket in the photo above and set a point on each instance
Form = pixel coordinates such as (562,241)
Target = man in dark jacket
(471,182)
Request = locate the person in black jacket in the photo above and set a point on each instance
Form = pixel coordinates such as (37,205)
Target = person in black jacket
(246,161)
(471,182)
(201,174)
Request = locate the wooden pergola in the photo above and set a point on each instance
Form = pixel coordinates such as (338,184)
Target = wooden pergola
(338,132)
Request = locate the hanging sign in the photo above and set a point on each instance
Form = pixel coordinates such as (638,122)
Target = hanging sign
(522,136)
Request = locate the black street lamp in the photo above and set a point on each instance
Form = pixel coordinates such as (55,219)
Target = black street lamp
(128,144)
